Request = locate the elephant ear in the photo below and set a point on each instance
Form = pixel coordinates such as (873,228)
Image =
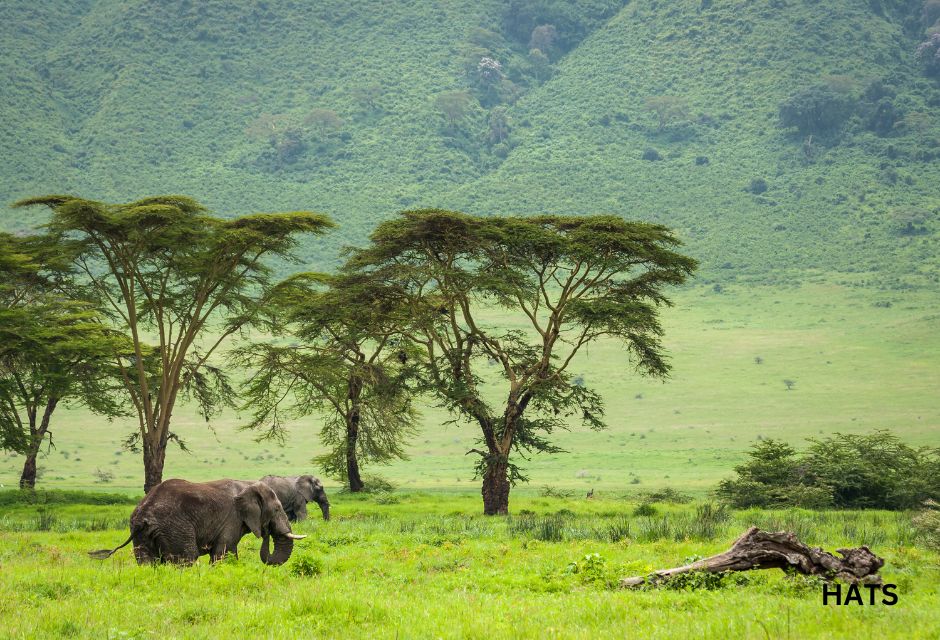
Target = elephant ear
(248,504)
(307,486)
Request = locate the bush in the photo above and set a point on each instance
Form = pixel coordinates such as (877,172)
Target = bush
(305,566)
(645,510)
(667,495)
(875,471)
(817,109)
(651,154)
(927,525)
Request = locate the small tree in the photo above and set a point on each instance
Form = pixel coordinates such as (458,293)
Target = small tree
(571,280)
(789,384)
(498,126)
(368,95)
(162,266)
(324,121)
(453,105)
(541,65)
(544,38)
(817,109)
(350,364)
(52,349)
(667,109)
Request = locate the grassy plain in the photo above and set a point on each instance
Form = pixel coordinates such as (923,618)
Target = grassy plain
(858,365)
(426,565)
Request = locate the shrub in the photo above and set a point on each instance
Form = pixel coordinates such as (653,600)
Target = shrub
(305,566)
(927,525)
(817,109)
(850,471)
(667,495)
(651,154)
(757,186)
(645,510)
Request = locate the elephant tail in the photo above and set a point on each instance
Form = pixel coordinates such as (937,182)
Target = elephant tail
(103,554)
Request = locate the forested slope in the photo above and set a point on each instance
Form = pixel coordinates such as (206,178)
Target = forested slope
(663,110)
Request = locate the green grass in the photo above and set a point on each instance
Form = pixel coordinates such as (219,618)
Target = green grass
(428,566)
(857,367)
(116,100)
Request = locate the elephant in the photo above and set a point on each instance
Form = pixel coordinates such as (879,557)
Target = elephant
(295,492)
(178,521)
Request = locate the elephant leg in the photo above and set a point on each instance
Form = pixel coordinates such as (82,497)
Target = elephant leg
(220,549)
(144,554)
(182,549)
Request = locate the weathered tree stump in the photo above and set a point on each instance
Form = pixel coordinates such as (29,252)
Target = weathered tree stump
(757,549)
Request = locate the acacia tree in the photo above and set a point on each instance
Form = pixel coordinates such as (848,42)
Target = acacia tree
(571,280)
(162,267)
(52,349)
(349,364)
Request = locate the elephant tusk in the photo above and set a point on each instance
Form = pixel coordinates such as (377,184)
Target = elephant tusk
(294,536)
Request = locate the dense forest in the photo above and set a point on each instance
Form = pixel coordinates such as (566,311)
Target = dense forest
(784,140)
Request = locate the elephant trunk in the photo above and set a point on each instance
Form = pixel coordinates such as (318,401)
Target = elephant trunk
(325,508)
(283,546)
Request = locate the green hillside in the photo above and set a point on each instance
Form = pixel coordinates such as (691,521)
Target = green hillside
(335,106)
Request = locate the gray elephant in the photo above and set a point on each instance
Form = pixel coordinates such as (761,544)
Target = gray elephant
(295,492)
(178,521)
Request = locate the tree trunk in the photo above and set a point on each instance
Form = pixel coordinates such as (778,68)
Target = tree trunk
(496,486)
(28,477)
(352,462)
(37,434)
(757,549)
(154,458)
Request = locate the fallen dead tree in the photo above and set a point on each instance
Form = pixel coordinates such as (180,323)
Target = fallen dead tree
(757,549)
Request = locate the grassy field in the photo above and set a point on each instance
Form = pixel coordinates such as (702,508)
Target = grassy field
(423,565)
(857,363)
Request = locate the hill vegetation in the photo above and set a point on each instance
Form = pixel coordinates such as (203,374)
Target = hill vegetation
(782,138)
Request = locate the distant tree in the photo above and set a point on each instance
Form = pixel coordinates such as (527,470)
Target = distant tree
(572,280)
(368,95)
(489,71)
(323,121)
(269,127)
(350,363)
(541,65)
(817,109)
(928,54)
(162,267)
(281,134)
(53,350)
(758,360)
(498,126)
(789,384)
(544,38)
(909,221)
(454,105)
(667,109)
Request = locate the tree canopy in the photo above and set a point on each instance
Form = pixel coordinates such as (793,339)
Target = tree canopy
(571,279)
(163,266)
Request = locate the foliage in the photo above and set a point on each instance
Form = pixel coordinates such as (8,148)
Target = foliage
(928,54)
(436,546)
(927,524)
(53,348)
(875,470)
(69,121)
(162,266)
(817,109)
(571,280)
(349,362)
